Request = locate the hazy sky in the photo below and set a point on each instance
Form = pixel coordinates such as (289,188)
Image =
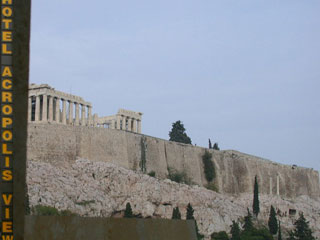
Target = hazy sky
(244,73)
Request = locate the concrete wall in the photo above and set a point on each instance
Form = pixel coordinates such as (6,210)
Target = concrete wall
(75,228)
(61,144)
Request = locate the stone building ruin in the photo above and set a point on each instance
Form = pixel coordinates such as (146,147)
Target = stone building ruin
(47,105)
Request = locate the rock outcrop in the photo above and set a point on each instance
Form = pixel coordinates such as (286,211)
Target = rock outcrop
(103,189)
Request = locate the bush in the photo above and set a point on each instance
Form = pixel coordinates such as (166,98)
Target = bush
(256,234)
(179,177)
(220,236)
(152,174)
(45,211)
(209,170)
(40,210)
(212,186)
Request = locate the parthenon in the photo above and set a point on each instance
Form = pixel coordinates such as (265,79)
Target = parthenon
(48,105)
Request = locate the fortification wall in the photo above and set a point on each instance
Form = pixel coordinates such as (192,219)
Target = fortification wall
(62,144)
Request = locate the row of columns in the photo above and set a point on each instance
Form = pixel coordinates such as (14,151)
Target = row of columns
(47,113)
(277,186)
(127,123)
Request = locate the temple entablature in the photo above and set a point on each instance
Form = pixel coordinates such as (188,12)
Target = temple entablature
(124,120)
(47,105)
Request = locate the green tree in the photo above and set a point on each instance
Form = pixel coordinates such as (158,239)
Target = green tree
(235,231)
(256,234)
(128,212)
(190,216)
(177,133)
(279,232)
(209,170)
(255,205)
(302,230)
(216,147)
(190,212)
(291,235)
(272,222)
(210,145)
(176,213)
(222,235)
(248,224)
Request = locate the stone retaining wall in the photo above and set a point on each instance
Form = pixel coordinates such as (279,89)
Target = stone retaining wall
(62,144)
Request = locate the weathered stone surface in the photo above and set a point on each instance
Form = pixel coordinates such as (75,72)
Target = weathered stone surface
(62,144)
(102,188)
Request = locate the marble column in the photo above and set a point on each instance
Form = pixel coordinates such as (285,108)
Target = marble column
(70,119)
(50,109)
(278,185)
(37,111)
(29,108)
(64,116)
(118,122)
(139,126)
(83,115)
(129,124)
(124,123)
(77,114)
(89,115)
(134,128)
(113,122)
(44,108)
(57,110)
(95,120)
(270,192)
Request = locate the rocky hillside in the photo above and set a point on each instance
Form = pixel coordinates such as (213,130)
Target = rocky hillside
(103,189)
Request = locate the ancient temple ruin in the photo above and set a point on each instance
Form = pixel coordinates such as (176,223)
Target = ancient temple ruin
(47,105)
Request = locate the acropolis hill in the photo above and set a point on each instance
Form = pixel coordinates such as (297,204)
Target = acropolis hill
(59,135)
(94,165)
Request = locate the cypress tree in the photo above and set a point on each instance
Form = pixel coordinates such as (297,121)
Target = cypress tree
(302,230)
(210,145)
(235,231)
(255,205)
(190,212)
(248,225)
(273,223)
(176,213)
(190,216)
(128,212)
(216,147)
(279,232)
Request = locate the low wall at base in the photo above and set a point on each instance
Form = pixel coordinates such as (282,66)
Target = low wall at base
(75,228)
(235,171)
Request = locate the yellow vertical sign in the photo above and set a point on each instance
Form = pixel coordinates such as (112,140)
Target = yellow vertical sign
(7,85)
(14,62)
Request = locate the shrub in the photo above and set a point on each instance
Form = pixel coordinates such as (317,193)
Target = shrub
(143,159)
(220,236)
(212,186)
(179,177)
(209,170)
(45,211)
(152,174)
